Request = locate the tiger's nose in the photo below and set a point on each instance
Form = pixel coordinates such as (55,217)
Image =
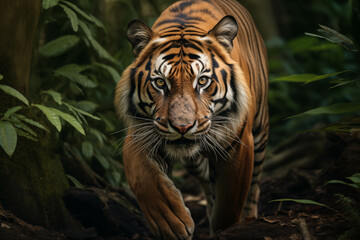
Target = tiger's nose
(182,128)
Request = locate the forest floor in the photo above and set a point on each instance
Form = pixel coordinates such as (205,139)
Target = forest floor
(307,162)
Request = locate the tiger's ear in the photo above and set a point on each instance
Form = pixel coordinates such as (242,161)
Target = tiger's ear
(139,35)
(225,31)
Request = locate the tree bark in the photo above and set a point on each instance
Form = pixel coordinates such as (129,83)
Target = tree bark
(32,181)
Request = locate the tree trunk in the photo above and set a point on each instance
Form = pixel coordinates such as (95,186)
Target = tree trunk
(32,181)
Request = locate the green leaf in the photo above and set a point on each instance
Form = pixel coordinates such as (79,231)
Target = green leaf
(56,96)
(112,71)
(305,78)
(81,111)
(103,161)
(116,176)
(87,16)
(50,115)
(70,119)
(303,201)
(46,4)
(76,89)
(108,122)
(295,78)
(31,122)
(24,134)
(342,83)
(78,116)
(339,108)
(72,17)
(96,46)
(99,135)
(8,137)
(87,149)
(1,77)
(86,106)
(355,178)
(11,111)
(22,126)
(320,77)
(73,68)
(342,182)
(15,93)
(335,37)
(74,181)
(59,46)
(72,72)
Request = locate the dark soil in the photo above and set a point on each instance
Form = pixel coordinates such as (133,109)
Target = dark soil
(111,215)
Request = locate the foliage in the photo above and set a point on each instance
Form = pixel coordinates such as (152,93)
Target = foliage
(76,77)
(311,65)
(302,67)
(13,124)
(348,206)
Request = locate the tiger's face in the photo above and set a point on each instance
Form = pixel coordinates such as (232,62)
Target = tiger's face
(183,94)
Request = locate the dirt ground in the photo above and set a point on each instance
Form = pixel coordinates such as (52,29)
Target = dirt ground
(299,173)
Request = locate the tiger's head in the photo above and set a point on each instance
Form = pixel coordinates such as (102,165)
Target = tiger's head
(183,93)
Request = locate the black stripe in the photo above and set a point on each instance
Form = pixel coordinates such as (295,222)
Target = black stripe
(255,183)
(256,174)
(173,45)
(181,6)
(215,91)
(149,94)
(242,131)
(193,46)
(252,201)
(142,105)
(170,56)
(258,163)
(132,107)
(153,47)
(193,56)
(231,146)
(180,21)
(261,148)
(203,11)
(222,100)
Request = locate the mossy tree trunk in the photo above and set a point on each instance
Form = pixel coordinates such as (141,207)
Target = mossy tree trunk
(32,181)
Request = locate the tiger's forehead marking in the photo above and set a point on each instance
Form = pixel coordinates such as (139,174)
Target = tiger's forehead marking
(178,69)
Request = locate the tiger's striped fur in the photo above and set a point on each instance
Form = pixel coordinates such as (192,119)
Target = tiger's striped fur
(195,93)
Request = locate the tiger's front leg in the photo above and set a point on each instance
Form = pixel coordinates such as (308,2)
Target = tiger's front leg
(160,201)
(232,184)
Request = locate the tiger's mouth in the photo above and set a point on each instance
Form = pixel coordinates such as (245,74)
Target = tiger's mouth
(182,142)
(181,148)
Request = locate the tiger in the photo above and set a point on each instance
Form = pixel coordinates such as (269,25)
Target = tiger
(195,94)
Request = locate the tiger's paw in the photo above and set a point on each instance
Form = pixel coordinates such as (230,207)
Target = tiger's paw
(170,222)
(168,217)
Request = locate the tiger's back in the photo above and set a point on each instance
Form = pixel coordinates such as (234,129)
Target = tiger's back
(198,90)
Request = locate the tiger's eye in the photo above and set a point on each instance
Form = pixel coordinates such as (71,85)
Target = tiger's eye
(203,80)
(160,82)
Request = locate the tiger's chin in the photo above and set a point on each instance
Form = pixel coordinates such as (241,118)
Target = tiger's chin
(180,149)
